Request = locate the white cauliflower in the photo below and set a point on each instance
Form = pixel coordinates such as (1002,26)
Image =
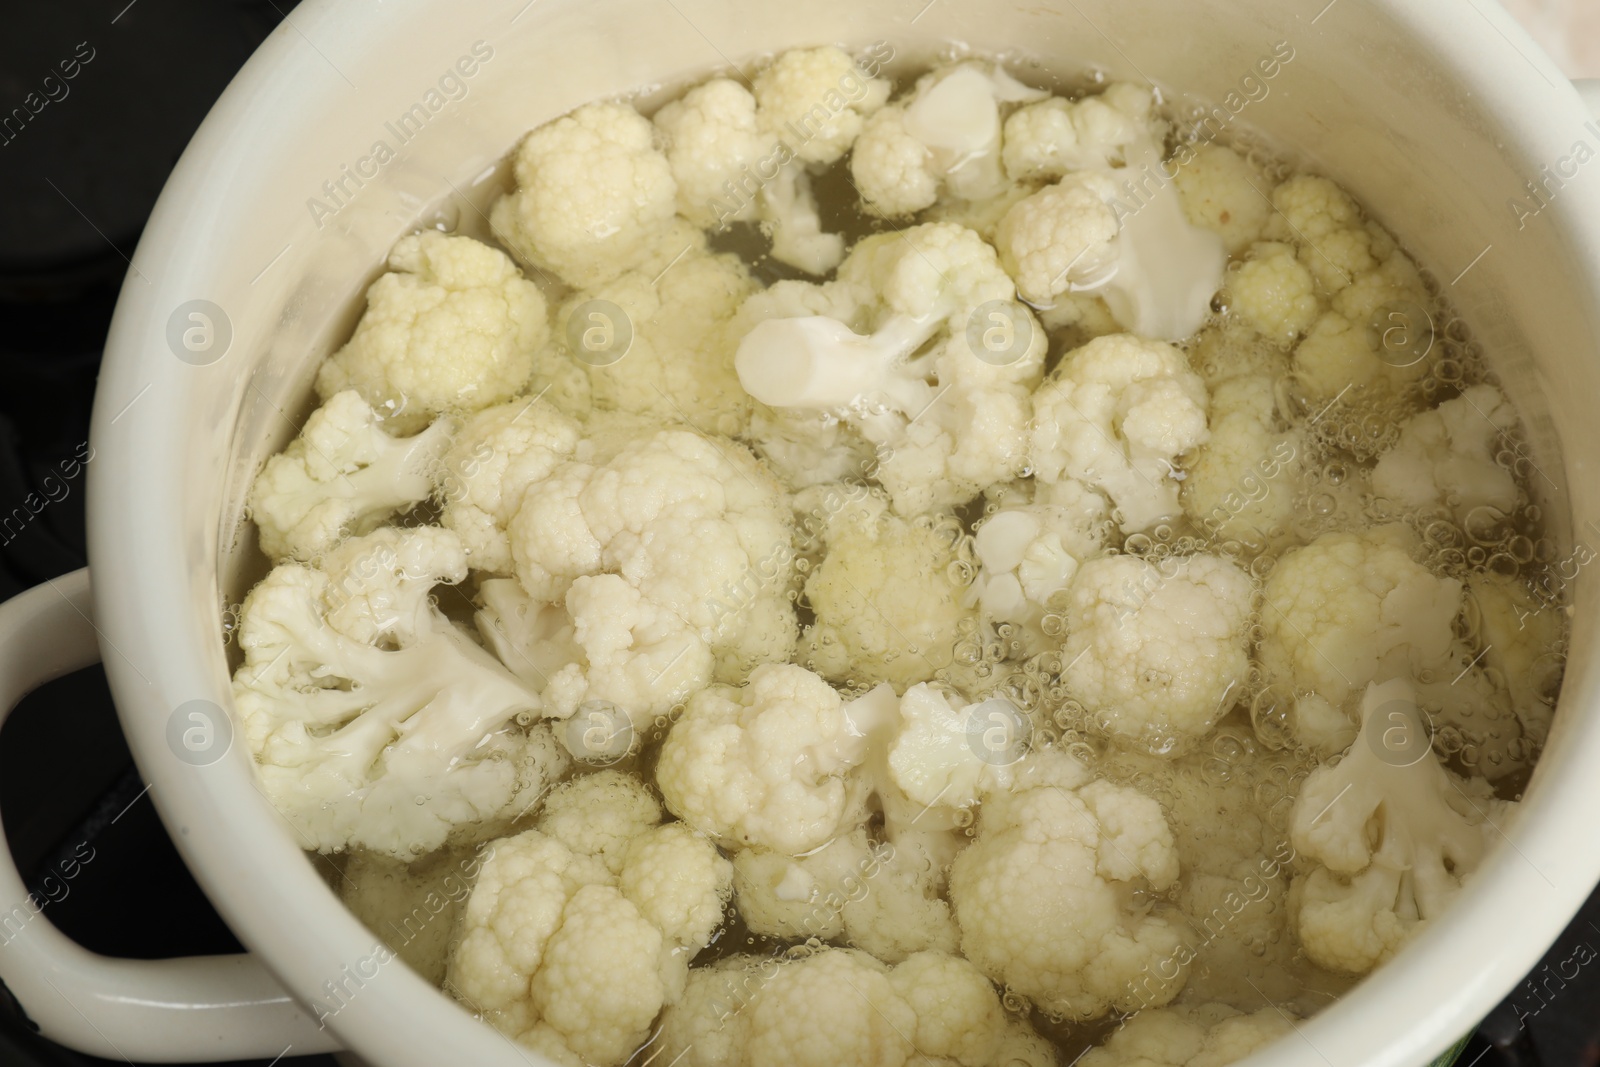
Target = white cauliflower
(1225,193)
(1446,457)
(945,136)
(599,814)
(1274,292)
(947,422)
(1244,481)
(534,641)
(1119,413)
(452,326)
(595,197)
(763,765)
(1062,238)
(342,475)
(842,1008)
(1060,853)
(493,460)
(571,958)
(730,167)
(1361,270)
(1207,1035)
(1029,552)
(359,697)
(643,549)
(678,366)
(1048,140)
(1127,240)
(1353,608)
(888,607)
(1158,652)
(816,99)
(807,448)
(1388,836)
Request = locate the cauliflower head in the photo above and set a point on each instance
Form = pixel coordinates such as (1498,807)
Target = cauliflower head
(574,958)
(680,545)
(944,136)
(1446,458)
(595,197)
(1244,481)
(765,764)
(452,326)
(495,457)
(358,696)
(1061,853)
(1388,836)
(945,423)
(1201,1035)
(1118,414)
(1047,140)
(344,474)
(1225,193)
(887,605)
(1158,652)
(1352,608)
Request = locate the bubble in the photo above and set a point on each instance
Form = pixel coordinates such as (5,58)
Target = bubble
(1271,715)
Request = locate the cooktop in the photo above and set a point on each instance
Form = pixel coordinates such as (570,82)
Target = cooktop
(77,180)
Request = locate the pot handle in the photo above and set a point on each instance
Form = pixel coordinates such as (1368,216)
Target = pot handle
(192,1009)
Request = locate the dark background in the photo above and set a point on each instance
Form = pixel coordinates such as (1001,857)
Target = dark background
(76,184)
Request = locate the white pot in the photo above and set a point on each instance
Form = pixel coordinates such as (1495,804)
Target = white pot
(1433,112)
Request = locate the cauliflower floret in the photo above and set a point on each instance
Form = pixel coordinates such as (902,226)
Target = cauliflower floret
(888,607)
(1208,1035)
(1052,138)
(1350,608)
(818,97)
(1028,553)
(595,197)
(842,1007)
(678,366)
(644,548)
(357,696)
(1243,483)
(1389,834)
(765,764)
(947,133)
(1117,414)
(1274,292)
(534,641)
(555,955)
(499,453)
(1059,853)
(1446,457)
(452,326)
(343,475)
(1061,238)
(599,984)
(599,815)
(959,1015)
(1225,193)
(1157,653)
(679,882)
(739,155)
(938,756)
(946,423)
(807,448)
